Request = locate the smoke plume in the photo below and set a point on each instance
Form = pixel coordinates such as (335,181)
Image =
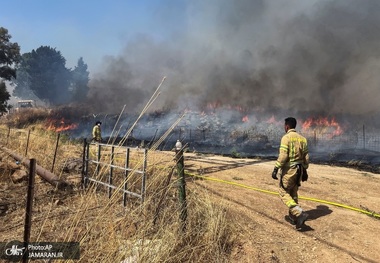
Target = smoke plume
(316,55)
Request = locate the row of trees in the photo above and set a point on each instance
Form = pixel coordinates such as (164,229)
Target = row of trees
(41,73)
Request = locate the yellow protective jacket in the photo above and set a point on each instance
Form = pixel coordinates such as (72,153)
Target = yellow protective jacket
(96,133)
(293,150)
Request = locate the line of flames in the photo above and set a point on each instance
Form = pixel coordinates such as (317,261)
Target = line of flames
(60,125)
(321,124)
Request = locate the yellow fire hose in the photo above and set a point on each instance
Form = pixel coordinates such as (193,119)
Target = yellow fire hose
(376,215)
(370,213)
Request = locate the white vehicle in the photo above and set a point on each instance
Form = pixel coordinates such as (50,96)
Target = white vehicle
(26,104)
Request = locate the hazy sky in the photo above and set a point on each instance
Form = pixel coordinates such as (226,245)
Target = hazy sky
(90,29)
(320,56)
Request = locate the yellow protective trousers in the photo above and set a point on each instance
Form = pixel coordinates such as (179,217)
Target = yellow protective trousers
(289,190)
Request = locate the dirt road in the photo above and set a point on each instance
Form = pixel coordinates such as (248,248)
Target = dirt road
(332,234)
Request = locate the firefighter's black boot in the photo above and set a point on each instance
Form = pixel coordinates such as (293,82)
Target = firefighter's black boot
(291,219)
(301,220)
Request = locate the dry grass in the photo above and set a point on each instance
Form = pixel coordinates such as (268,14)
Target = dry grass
(107,231)
(25,117)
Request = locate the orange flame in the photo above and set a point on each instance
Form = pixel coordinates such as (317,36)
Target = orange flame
(272,120)
(60,125)
(245,118)
(213,105)
(322,123)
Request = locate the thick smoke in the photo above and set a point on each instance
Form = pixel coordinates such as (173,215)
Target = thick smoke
(320,56)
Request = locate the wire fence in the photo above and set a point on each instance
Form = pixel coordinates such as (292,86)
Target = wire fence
(212,139)
(264,142)
(46,147)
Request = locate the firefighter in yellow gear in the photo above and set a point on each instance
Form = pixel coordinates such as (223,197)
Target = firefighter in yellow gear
(293,160)
(97,132)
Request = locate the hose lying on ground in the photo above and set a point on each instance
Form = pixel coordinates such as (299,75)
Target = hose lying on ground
(370,213)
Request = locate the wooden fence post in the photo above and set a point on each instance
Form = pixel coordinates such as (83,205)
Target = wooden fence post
(143,181)
(84,164)
(110,176)
(181,184)
(55,152)
(9,132)
(126,177)
(29,206)
(98,159)
(27,143)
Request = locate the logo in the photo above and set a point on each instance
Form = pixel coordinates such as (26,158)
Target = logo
(14,251)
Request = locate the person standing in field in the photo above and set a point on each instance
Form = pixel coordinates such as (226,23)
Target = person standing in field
(293,160)
(97,132)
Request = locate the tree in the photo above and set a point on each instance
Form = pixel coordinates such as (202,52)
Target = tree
(23,80)
(44,73)
(4,97)
(80,79)
(9,57)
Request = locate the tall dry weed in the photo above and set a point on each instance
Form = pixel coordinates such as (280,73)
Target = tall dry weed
(109,232)
(25,117)
(149,231)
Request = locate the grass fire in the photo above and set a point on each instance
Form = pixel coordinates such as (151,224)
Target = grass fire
(152,230)
(190,131)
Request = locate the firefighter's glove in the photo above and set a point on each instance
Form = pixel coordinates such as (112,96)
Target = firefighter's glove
(274,173)
(305,176)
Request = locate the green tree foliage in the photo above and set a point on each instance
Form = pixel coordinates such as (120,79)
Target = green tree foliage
(44,73)
(4,97)
(9,55)
(80,79)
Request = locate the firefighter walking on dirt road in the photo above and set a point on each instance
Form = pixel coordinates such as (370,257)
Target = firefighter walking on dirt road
(97,132)
(293,160)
